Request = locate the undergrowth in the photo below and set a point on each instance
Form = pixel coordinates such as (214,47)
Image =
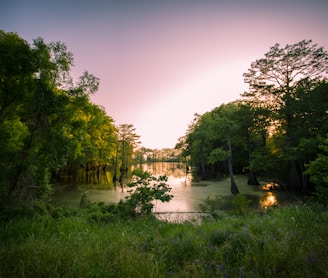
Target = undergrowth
(102,241)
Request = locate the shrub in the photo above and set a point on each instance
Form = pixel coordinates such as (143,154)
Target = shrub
(145,189)
(85,201)
(212,206)
(241,204)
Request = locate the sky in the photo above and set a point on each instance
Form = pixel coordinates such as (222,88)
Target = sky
(160,62)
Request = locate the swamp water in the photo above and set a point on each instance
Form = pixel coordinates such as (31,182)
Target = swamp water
(188,194)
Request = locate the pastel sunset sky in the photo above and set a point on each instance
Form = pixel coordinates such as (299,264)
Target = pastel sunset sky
(159,62)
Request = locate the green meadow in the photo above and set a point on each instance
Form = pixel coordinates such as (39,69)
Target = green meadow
(44,241)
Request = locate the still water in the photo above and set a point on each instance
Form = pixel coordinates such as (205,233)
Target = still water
(188,194)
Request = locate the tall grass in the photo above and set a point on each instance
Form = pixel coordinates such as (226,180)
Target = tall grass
(282,242)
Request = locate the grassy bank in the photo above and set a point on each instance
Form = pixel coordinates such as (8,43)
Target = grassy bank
(283,242)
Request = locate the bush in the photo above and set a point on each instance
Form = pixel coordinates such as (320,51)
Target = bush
(212,206)
(145,189)
(241,204)
(318,171)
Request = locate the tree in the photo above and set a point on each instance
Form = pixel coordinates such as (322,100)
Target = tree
(94,136)
(283,69)
(16,73)
(128,140)
(39,106)
(209,141)
(226,127)
(16,82)
(46,123)
(276,78)
(198,141)
(275,81)
(253,122)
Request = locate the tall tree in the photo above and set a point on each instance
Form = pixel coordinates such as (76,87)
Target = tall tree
(253,122)
(46,122)
(17,70)
(128,141)
(198,141)
(210,139)
(225,127)
(16,83)
(42,113)
(93,136)
(274,82)
(309,126)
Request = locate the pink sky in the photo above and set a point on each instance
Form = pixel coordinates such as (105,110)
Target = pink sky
(159,62)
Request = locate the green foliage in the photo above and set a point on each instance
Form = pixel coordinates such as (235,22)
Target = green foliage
(210,138)
(85,201)
(241,203)
(12,136)
(47,124)
(127,141)
(146,189)
(217,205)
(264,159)
(217,155)
(275,129)
(212,206)
(318,171)
(70,244)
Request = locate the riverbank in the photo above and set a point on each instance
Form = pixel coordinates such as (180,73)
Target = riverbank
(286,241)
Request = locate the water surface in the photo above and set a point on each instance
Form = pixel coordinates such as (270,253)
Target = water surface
(188,194)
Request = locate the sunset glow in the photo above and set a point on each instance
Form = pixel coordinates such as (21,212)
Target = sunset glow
(269,201)
(159,62)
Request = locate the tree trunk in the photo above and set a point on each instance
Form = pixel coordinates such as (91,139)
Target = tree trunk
(98,173)
(252,180)
(104,172)
(202,163)
(121,179)
(304,177)
(87,173)
(294,180)
(234,188)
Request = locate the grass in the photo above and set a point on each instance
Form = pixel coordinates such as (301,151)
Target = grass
(287,241)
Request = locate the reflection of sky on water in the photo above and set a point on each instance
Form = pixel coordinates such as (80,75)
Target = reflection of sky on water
(187,194)
(175,205)
(171,170)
